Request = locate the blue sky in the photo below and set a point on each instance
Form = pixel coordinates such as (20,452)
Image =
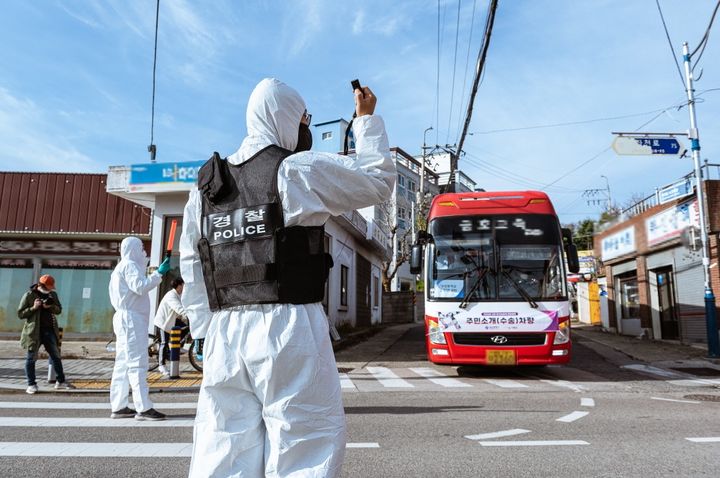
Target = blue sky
(75,85)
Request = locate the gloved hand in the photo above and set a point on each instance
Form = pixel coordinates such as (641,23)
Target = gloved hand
(164,267)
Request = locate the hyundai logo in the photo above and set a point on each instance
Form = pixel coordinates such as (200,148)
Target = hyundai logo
(499,339)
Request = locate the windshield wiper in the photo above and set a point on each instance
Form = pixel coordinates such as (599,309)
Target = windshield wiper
(483,270)
(519,289)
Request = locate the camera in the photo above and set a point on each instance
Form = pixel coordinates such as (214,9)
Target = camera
(48,301)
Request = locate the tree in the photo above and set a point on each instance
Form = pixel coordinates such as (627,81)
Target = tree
(583,234)
(387,213)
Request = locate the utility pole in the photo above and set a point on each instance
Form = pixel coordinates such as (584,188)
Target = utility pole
(592,193)
(607,188)
(421,198)
(710,313)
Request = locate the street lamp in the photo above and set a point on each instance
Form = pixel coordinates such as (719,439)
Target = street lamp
(421,201)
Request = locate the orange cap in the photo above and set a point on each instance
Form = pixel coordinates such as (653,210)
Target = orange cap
(47,281)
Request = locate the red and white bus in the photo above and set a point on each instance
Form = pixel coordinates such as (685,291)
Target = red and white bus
(495,279)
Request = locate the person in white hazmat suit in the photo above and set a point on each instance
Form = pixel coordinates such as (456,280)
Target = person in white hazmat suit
(270,402)
(129,287)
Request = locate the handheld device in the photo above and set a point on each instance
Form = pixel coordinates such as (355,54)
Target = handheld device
(356,86)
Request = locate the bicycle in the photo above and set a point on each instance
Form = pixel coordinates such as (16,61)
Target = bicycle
(195,351)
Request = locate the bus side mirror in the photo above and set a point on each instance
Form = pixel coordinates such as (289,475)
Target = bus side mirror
(572,258)
(416,254)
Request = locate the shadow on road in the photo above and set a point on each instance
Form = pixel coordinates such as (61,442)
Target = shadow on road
(585,363)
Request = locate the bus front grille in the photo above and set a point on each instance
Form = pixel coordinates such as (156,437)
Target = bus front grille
(498,339)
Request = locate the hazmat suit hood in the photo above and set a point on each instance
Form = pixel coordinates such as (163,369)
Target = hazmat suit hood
(273,116)
(132,250)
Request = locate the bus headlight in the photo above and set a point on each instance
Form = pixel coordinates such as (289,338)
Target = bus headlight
(435,333)
(562,336)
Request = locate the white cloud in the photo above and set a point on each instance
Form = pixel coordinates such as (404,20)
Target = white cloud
(359,22)
(30,141)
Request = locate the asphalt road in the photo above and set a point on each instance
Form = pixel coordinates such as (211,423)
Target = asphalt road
(409,418)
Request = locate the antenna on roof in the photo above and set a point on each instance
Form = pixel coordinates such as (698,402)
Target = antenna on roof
(152,149)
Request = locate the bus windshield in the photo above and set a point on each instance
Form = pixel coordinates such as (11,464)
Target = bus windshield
(496,258)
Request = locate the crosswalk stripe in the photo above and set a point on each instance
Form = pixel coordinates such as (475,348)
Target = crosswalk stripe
(346,383)
(704,439)
(116,450)
(571,417)
(89,406)
(388,378)
(587,402)
(651,370)
(564,384)
(505,383)
(43,422)
(436,377)
(501,434)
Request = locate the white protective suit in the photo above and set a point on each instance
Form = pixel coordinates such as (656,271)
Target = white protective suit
(129,287)
(270,402)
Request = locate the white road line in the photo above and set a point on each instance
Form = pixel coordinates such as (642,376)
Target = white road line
(504,433)
(587,402)
(436,377)
(571,417)
(89,406)
(673,400)
(565,384)
(691,383)
(704,439)
(505,383)
(652,370)
(74,449)
(54,449)
(362,445)
(346,383)
(43,422)
(388,378)
(534,443)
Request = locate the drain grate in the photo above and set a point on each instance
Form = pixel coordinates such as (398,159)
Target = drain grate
(345,369)
(704,398)
(700,371)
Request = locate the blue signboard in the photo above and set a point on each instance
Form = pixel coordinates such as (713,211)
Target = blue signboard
(677,190)
(660,145)
(153,173)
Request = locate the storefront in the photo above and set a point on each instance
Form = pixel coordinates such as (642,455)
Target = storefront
(652,265)
(67,226)
(358,246)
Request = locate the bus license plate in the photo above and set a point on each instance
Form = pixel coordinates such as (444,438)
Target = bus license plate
(500,357)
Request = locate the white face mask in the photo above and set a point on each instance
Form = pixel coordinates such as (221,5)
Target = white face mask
(43,290)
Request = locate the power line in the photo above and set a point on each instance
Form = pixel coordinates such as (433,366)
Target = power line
(667,34)
(152,149)
(703,41)
(452,88)
(569,123)
(510,175)
(437,86)
(568,173)
(482,56)
(467,63)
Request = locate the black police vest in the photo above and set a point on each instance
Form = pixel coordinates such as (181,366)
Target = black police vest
(247,254)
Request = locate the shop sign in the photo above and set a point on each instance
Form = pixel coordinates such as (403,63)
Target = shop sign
(618,244)
(154,173)
(674,191)
(60,247)
(670,223)
(587,262)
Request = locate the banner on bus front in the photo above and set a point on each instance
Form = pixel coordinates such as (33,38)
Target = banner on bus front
(498,316)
